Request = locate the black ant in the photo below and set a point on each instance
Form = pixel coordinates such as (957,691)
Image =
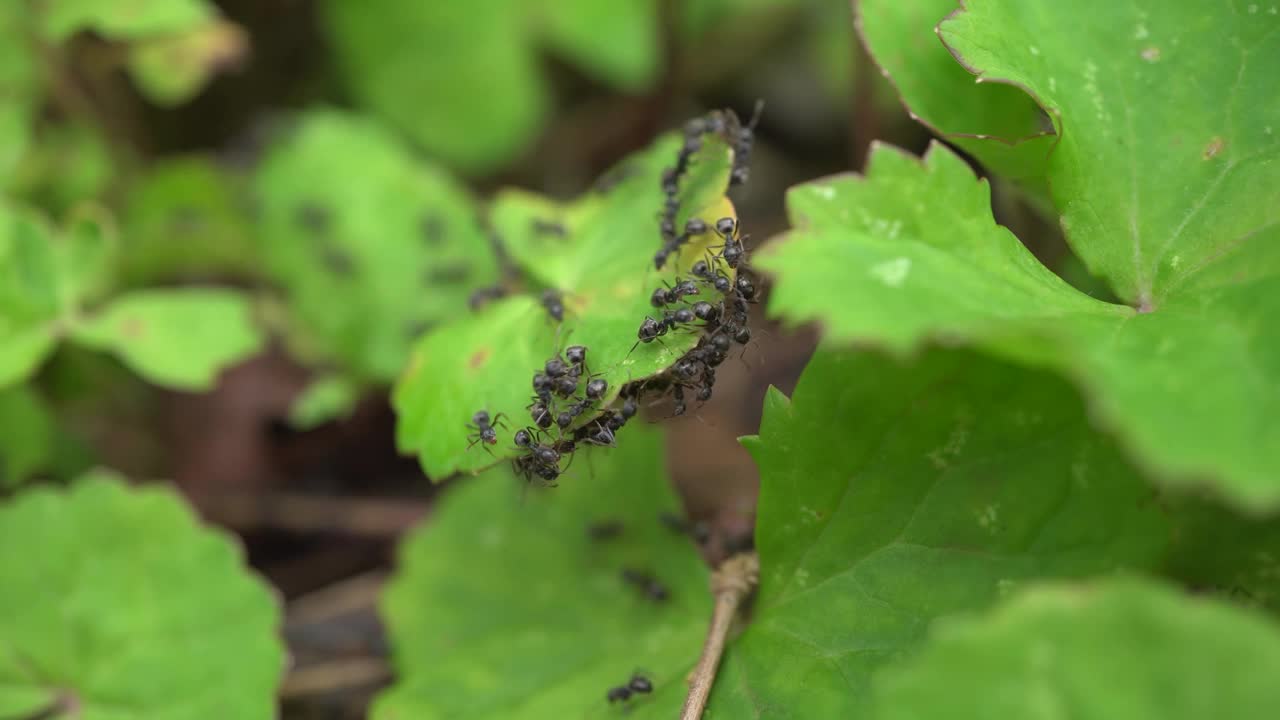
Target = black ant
(541,459)
(647,584)
(484,295)
(484,429)
(552,301)
(637,685)
(699,531)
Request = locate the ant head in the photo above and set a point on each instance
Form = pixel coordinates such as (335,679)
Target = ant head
(725,226)
(576,354)
(597,388)
(523,438)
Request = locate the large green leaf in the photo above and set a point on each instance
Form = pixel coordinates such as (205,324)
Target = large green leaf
(184,218)
(384,249)
(117,604)
(1167,115)
(179,338)
(998,124)
(463,80)
(893,493)
(26,435)
(911,253)
(1118,649)
(120,19)
(603,264)
(504,608)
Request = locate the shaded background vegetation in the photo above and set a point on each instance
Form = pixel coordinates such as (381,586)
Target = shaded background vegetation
(174,133)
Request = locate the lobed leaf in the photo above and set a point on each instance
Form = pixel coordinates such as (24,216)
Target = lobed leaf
(179,338)
(117,603)
(1113,649)
(503,608)
(184,219)
(998,124)
(398,241)
(1164,137)
(910,253)
(602,263)
(894,493)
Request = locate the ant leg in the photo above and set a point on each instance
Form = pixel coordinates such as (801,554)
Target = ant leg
(497,421)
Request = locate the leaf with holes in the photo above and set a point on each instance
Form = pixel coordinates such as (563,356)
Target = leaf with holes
(1114,649)
(464,80)
(600,259)
(911,253)
(117,603)
(915,491)
(504,608)
(179,338)
(398,242)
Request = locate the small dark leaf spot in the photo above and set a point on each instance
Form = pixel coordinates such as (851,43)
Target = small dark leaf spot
(432,229)
(448,273)
(1214,147)
(478,359)
(417,328)
(185,218)
(313,218)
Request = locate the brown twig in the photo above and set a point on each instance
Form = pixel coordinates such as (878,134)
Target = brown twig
(300,513)
(335,676)
(731,583)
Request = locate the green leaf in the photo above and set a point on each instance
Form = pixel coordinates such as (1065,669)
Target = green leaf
(118,604)
(603,264)
(911,253)
(1164,142)
(398,241)
(27,440)
(120,19)
(68,164)
(893,493)
(327,398)
(503,608)
(617,41)
(173,68)
(179,338)
(19,87)
(463,80)
(184,218)
(998,124)
(31,294)
(1117,649)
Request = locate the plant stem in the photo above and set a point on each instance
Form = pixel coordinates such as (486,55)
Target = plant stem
(731,583)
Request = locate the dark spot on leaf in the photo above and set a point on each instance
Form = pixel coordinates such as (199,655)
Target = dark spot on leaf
(417,328)
(336,260)
(185,218)
(313,218)
(548,227)
(1214,147)
(432,228)
(478,359)
(448,273)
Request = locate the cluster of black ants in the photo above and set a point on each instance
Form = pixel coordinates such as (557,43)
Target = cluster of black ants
(560,395)
(564,389)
